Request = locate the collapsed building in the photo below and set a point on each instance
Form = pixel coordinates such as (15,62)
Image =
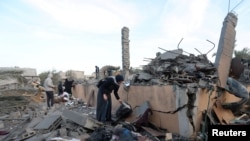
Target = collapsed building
(174,97)
(186,93)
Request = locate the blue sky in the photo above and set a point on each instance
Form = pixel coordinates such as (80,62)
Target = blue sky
(80,34)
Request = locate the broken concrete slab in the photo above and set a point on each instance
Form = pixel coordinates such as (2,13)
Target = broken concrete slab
(171,54)
(34,122)
(27,135)
(48,124)
(144,76)
(82,120)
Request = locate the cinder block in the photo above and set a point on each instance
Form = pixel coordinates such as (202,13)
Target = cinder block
(81,120)
(49,123)
(81,130)
(28,135)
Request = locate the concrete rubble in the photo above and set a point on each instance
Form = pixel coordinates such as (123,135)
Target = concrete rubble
(172,67)
(65,121)
(24,115)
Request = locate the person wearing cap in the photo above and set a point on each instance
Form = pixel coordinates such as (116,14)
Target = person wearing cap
(104,103)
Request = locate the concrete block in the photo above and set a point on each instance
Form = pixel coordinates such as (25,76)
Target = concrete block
(34,122)
(49,123)
(81,130)
(28,135)
(81,120)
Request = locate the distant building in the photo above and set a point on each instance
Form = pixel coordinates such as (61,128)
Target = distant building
(15,77)
(72,74)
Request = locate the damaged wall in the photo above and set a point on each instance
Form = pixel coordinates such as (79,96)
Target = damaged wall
(161,99)
(164,101)
(169,105)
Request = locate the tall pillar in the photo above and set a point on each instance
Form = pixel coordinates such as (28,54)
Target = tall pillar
(226,48)
(125,52)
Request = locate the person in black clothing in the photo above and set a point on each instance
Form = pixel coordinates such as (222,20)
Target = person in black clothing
(68,84)
(60,88)
(104,103)
(97,72)
(109,71)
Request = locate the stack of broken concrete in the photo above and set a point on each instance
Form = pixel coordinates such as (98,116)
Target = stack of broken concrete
(173,67)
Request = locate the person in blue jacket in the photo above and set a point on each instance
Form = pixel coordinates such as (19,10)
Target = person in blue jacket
(104,102)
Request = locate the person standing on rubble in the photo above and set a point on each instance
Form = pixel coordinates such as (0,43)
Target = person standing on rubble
(104,103)
(49,89)
(60,88)
(68,84)
(97,72)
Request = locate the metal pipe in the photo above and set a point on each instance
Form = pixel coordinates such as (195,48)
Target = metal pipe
(198,50)
(212,48)
(179,43)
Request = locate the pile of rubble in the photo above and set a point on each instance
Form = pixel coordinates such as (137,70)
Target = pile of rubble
(173,67)
(24,117)
(193,73)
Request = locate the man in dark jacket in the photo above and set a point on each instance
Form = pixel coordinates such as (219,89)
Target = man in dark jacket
(104,103)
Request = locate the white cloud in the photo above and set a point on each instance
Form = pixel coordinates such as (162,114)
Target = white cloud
(186,17)
(91,16)
(197,10)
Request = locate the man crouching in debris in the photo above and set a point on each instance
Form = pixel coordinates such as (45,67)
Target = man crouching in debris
(49,89)
(104,103)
